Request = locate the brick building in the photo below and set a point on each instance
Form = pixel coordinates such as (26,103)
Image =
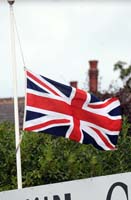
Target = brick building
(7,110)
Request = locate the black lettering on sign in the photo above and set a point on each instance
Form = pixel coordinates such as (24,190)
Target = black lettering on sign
(56,197)
(67,197)
(120,184)
(36,198)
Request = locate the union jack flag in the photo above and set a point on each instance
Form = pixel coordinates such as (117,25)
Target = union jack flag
(61,110)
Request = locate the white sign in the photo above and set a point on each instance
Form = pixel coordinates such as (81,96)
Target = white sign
(112,187)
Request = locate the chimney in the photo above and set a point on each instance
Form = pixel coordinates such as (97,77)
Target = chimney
(73,84)
(93,76)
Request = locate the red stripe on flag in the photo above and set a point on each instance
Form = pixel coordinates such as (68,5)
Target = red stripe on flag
(76,133)
(99,120)
(41,83)
(103,138)
(48,104)
(103,105)
(42,125)
(79,99)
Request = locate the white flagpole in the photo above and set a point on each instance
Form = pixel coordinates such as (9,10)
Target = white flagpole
(16,112)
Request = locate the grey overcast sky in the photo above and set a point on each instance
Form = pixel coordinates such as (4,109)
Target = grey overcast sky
(59,38)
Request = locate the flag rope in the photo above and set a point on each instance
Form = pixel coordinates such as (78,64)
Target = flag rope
(20,140)
(18,38)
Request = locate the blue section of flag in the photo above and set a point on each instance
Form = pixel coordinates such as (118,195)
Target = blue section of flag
(116,111)
(32,86)
(66,90)
(33,115)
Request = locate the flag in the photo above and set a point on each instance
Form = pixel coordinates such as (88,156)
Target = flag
(61,110)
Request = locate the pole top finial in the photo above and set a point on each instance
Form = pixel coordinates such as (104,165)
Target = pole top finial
(11,2)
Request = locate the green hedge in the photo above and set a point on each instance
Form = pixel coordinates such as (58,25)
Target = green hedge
(46,159)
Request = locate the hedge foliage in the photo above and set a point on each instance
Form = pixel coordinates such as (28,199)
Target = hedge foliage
(46,159)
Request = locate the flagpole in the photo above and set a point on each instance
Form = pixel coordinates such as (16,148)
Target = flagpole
(16,112)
